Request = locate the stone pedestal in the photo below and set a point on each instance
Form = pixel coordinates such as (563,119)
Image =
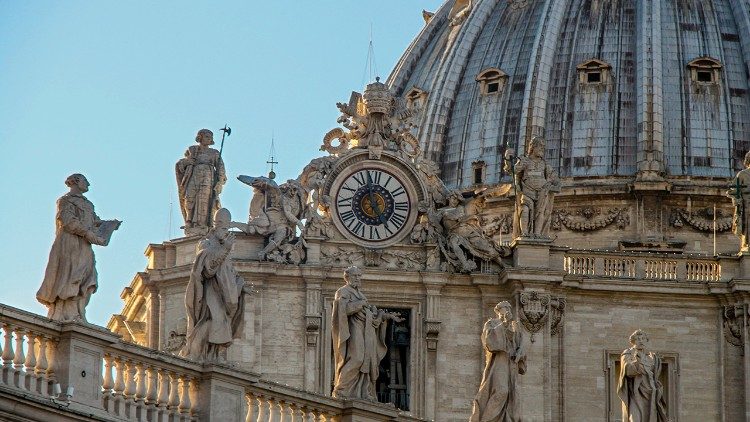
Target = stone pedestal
(222,393)
(365,411)
(531,252)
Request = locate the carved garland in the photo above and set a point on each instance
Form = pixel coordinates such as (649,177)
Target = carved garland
(590,219)
(702,219)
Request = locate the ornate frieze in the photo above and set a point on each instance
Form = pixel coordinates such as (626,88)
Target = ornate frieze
(701,219)
(590,218)
(386,259)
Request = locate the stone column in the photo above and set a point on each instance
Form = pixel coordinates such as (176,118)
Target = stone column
(153,321)
(313,321)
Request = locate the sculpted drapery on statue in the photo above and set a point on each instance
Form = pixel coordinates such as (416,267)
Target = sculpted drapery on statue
(214,297)
(505,357)
(639,388)
(358,331)
(200,178)
(71,278)
(739,191)
(535,182)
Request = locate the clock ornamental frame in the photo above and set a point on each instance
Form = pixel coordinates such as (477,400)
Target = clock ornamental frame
(349,173)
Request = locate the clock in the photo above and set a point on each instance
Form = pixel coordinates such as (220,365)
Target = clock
(373,204)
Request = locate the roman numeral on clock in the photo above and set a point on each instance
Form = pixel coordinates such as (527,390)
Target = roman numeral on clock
(399,191)
(374,233)
(401,206)
(375,176)
(398,220)
(347,217)
(359,229)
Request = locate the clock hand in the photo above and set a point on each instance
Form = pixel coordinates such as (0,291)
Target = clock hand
(373,202)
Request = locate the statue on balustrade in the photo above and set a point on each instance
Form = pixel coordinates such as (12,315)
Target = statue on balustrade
(535,183)
(639,388)
(214,296)
(358,331)
(71,278)
(505,358)
(739,191)
(200,179)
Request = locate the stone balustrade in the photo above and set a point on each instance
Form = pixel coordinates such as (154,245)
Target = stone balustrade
(112,380)
(647,266)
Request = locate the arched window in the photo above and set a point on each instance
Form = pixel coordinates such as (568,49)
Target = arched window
(491,81)
(593,71)
(705,70)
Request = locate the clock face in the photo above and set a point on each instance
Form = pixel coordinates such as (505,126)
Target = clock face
(372,205)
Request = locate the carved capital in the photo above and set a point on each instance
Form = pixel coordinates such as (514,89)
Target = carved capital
(733,316)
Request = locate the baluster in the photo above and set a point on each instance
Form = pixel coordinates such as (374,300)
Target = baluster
(8,355)
(52,360)
(108,383)
(185,404)
(119,388)
(299,414)
(194,407)
(311,415)
(18,361)
(273,410)
(252,408)
(285,411)
(41,367)
(140,392)
(162,400)
(129,392)
(30,362)
(174,396)
(263,409)
(152,389)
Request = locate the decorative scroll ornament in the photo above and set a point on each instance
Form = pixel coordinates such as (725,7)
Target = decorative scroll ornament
(733,320)
(536,308)
(534,311)
(702,219)
(379,258)
(377,121)
(590,219)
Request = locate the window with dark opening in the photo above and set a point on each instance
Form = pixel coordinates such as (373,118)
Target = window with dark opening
(491,80)
(493,87)
(392,385)
(704,76)
(705,71)
(478,176)
(593,77)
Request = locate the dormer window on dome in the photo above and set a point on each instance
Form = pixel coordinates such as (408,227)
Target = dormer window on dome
(593,72)
(491,81)
(705,70)
(416,98)
(479,168)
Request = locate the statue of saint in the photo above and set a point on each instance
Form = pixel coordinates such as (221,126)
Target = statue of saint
(200,178)
(505,357)
(358,331)
(70,278)
(639,388)
(213,298)
(739,191)
(536,182)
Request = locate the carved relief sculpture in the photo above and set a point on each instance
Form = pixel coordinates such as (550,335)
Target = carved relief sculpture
(536,183)
(358,331)
(214,297)
(276,212)
(740,194)
(639,388)
(200,178)
(71,278)
(505,358)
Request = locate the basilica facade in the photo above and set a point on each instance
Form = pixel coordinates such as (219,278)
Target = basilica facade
(573,158)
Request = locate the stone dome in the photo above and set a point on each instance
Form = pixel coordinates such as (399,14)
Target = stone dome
(620,89)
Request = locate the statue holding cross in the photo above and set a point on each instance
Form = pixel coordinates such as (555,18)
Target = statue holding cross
(739,191)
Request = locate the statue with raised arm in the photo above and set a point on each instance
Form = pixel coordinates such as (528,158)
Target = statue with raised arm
(214,298)
(536,183)
(358,331)
(505,358)
(739,191)
(639,388)
(200,179)
(71,278)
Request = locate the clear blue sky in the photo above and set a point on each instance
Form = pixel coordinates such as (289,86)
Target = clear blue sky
(117,91)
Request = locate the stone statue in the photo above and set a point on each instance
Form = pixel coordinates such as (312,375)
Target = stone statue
(358,331)
(214,298)
(639,388)
(462,233)
(200,178)
(740,194)
(276,212)
(505,357)
(535,182)
(70,278)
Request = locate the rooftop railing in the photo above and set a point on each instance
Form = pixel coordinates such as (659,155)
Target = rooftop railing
(645,266)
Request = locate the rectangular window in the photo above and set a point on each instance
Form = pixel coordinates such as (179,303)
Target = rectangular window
(493,87)
(392,385)
(704,76)
(593,77)
(478,176)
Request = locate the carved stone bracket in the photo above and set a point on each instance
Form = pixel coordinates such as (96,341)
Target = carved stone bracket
(590,219)
(312,328)
(701,220)
(733,321)
(536,307)
(432,331)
